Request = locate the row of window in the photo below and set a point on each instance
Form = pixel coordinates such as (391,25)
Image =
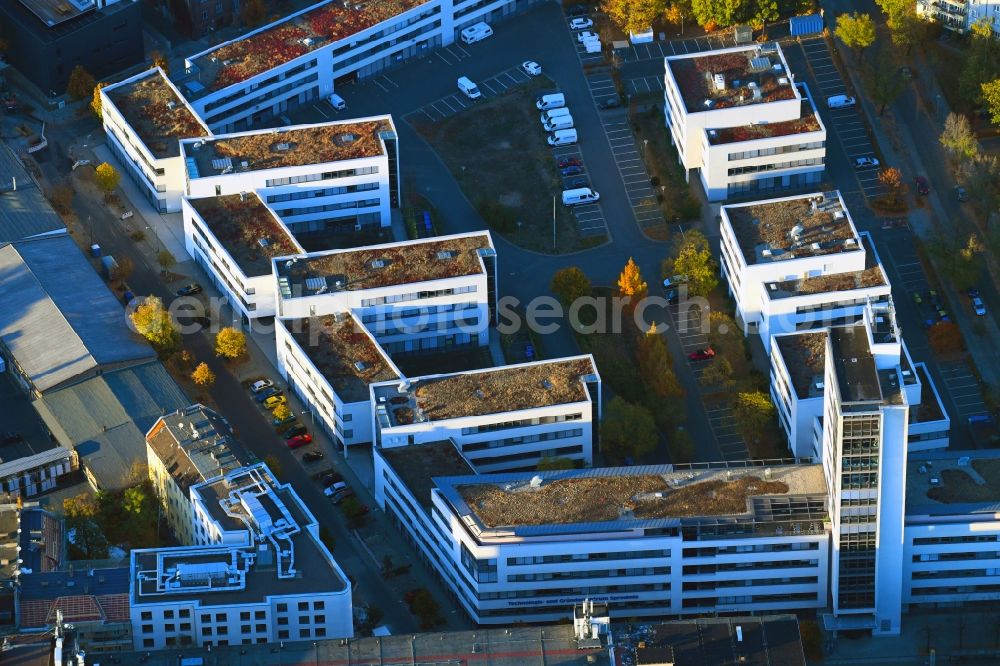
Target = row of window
(340,205)
(525,439)
(326,175)
(758,168)
(778,150)
(322,192)
(417,296)
(521,423)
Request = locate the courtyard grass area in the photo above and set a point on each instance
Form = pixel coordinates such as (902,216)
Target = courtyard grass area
(497,152)
(674,194)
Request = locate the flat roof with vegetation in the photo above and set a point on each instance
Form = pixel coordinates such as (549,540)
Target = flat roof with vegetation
(807,122)
(791,228)
(953,482)
(156,113)
(511,388)
(292,37)
(804,355)
(742,72)
(287,147)
(383,265)
(247,229)
(342,350)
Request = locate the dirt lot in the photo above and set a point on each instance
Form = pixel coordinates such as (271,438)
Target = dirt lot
(497,152)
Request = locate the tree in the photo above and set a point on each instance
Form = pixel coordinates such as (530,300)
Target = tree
(945,338)
(681,447)
(281,412)
(230,343)
(253,13)
(981,177)
(425,608)
(719,373)
(553,463)
(125,268)
(958,139)
(720,13)
(354,511)
(982,63)
(892,180)
(856,31)
(203,375)
(753,410)
(273,464)
(165,259)
(693,258)
(154,323)
(570,284)
(657,370)
(95,101)
(960,259)
(80,506)
(81,83)
(628,430)
(634,16)
(88,541)
(107,177)
(884,81)
(991,97)
(160,60)
(630,282)
(765,11)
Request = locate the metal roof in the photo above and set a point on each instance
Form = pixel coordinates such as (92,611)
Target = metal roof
(59,320)
(24,212)
(106,418)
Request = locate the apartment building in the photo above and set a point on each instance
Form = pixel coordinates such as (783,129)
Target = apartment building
(951,550)
(233,238)
(299,59)
(960,15)
(258,574)
(646,541)
(738,117)
(319,179)
(144,119)
(329,361)
(502,419)
(797,262)
(187,447)
(412,296)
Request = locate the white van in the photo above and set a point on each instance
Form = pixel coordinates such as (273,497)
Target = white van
(476,33)
(337,102)
(466,85)
(592,45)
(840,102)
(563,137)
(552,114)
(558,123)
(552,101)
(580,195)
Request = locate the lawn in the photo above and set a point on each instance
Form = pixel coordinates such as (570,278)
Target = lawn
(496,150)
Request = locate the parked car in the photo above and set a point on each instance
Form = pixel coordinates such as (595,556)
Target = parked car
(961,193)
(569,161)
(579,182)
(331,478)
(923,187)
(297,429)
(580,23)
(917,297)
(571,171)
(586,36)
(531,68)
(675,280)
(189,289)
(288,419)
(312,456)
(260,385)
(702,354)
(610,102)
(896,223)
(866,163)
(275,400)
(299,440)
(267,393)
(978,306)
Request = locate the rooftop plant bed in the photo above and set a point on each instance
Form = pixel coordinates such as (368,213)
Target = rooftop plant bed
(241,225)
(801,125)
(159,117)
(694,78)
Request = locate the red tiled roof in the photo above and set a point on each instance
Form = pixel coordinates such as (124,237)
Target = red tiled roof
(79,608)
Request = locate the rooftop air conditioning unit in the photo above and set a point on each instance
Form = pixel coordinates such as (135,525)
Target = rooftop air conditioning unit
(719,80)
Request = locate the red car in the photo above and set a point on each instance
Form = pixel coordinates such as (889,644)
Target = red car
(570,161)
(299,440)
(702,354)
(923,187)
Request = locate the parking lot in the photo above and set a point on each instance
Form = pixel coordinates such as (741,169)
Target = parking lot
(851,132)
(589,217)
(660,50)
(457,102)
(645,85)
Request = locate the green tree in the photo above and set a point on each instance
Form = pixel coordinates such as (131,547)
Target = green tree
(80,506)
(681,447)
(884,81)
(981,177)
(81,83)
(354,511)
(991,97)
(95,101)
(765,11)
(720,13)
(570,284)
(627,430)
(165,259)
(230,343)
(905,27)
(693,258)
(425,608)
(554,463)
(982,63)
(107,177)
(88,541)
(856,31)
(154,323)
(958,139)
(753,410)
(634,15)
(656,369)
(718,373)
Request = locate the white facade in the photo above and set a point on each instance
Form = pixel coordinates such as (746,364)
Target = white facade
(960,15)
(748,142)
(310,77)
(160,176)
(493,437)
(637,567)
(259,573)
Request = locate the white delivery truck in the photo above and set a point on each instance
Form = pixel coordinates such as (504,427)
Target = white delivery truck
(550,101)
(839,102)
(563,137)
(558,123)
(546,116)
(470,89)
(579,195)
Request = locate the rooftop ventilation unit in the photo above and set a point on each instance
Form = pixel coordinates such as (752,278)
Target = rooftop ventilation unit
(536,482)
(719,81)
(263,242)
(445,254)
(760,64)
(307,41)
(315,283)
(378,263)
(796,231)
(281,147)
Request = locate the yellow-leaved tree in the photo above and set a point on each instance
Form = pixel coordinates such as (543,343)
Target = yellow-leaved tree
(152,321)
